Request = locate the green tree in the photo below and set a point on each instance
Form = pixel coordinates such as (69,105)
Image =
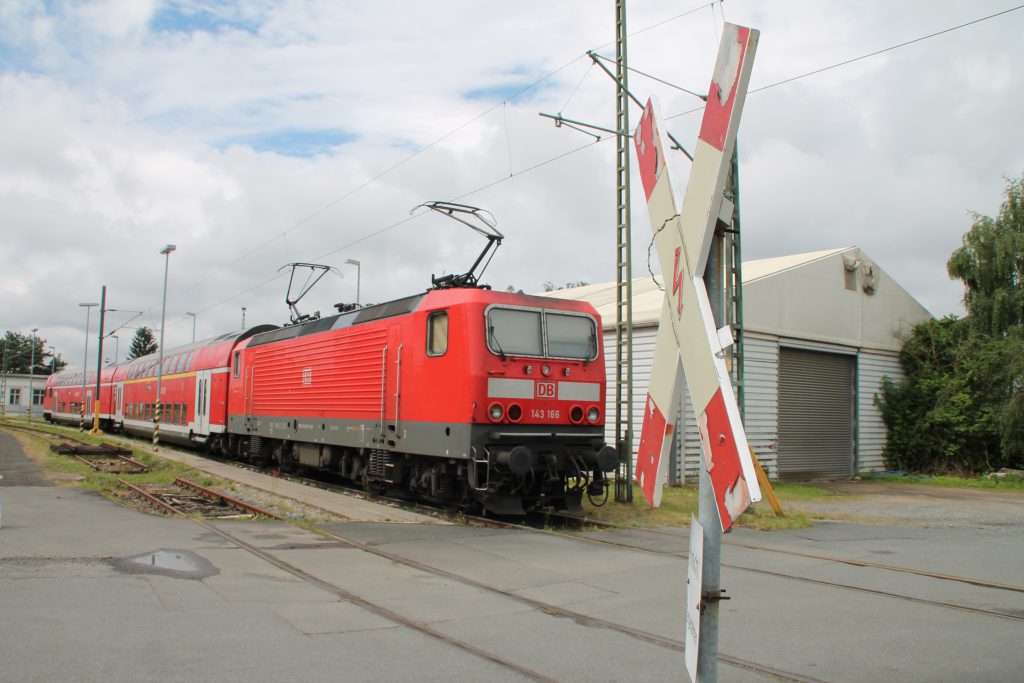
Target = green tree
(961,406)
(143,343)
(991,265)
(17,355)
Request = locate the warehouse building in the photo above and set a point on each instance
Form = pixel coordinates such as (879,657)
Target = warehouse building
(821,331)
(19,390)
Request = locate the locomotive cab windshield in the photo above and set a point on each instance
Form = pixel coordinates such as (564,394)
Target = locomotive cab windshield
(541,333)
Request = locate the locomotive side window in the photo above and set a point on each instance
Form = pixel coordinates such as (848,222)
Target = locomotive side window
(515,331)
(571,336)
(437,333)
(237,363)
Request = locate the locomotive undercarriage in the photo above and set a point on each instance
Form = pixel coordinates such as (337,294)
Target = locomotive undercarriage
(504,478)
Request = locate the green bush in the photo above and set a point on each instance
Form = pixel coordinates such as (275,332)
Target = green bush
(961,407)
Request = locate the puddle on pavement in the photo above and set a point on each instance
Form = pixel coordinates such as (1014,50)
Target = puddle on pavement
(183,564)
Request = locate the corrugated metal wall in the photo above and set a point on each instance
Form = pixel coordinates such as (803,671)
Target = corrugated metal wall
(871,431)
(762,404)
(761,364)
(643,357)
(816,414)
(761,376)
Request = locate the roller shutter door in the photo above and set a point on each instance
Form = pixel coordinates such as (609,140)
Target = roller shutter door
(815,414)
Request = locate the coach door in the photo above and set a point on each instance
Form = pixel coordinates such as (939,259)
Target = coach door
(202,419)
(392,395)
(118,402)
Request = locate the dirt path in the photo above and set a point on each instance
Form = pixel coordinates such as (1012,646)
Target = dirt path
(896,503)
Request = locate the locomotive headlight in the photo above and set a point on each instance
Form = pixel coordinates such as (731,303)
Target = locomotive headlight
(496,412)
(545,370)
(593,414)
(528,370)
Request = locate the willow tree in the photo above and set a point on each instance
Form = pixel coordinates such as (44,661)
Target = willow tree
(991,265)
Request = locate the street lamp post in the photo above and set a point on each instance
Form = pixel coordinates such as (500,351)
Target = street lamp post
(3,399)
(193,326)
(166,251)
(99,363)
(85,363)
(359,272)
(32,374)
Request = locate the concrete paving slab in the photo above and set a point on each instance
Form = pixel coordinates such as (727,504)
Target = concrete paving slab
(442,606)
(177,594)
(78,523)
(860,637)
(240,579)
(373,577)
(16,469)
(943,549)
(565,594)
(331,617)
(560,649)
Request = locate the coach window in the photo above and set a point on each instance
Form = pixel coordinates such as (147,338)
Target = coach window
(437,333)
(238,363)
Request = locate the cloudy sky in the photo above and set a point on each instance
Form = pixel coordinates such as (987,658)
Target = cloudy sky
(254,134)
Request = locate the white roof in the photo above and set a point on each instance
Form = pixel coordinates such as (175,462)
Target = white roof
(822,296)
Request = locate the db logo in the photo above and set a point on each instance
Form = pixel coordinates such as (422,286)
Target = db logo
(547,389)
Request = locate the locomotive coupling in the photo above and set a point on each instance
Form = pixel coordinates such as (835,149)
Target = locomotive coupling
(519,460)
(604,460)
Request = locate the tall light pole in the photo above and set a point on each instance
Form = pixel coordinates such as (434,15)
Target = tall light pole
(53,360)
(359,271)
(166,251)
(3,384)
(99,364)
(243,318)
(32,374)
(193,326)
(85,362)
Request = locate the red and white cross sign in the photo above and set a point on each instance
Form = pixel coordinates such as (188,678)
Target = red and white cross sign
(687,331)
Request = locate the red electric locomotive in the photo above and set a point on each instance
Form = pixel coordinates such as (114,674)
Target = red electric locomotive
(458,395)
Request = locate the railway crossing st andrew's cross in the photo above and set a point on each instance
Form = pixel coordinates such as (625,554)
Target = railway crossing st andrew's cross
(687,332)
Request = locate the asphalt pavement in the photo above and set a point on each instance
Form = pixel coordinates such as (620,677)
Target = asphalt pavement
(91,591)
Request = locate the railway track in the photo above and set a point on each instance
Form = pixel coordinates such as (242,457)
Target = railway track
(984,583)
(188,498)
(1011,616)
(661,641)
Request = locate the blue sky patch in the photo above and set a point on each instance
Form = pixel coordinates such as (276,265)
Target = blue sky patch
(496,93)
(295,143)
(209,17)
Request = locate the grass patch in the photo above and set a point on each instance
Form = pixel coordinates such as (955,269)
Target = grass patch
(1008,482)
(66,470)
(679,502)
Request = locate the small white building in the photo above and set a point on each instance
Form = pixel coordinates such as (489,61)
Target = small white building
(16,393)
(821,330)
